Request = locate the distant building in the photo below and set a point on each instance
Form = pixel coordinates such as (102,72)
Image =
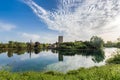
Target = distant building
(60,39)
(55,45)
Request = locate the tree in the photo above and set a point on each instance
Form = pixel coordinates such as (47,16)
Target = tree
(110,44)
(37,45)
(118,44)
(97,42)
(10,44)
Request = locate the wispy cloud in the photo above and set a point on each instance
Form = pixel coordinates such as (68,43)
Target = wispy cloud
(6,26)
(43,38)
(33,37)
(80,19)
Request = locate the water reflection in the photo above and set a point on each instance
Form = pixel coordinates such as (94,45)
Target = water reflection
(97,55)
(10,52)
(40,60)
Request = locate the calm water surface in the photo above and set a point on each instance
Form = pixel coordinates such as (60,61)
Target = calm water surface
(54,60)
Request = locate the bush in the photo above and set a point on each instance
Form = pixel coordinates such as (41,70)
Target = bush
(114,60)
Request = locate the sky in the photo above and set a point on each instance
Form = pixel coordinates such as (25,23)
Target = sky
(45,20)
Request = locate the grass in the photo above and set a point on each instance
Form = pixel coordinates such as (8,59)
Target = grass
(107,72)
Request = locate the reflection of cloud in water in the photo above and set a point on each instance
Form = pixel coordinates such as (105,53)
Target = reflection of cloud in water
(73,62)
(49,61)
(109,52)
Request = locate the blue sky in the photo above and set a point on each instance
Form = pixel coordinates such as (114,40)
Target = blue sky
(23,21)
(44,20)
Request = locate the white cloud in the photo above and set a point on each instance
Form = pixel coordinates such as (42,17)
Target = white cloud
(33,37)
(36,8)
(114,31)
(72,63)
(81,19)
(6,26)
(42,37)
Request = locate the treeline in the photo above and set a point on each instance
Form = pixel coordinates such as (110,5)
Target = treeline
(23,45)
(112,44)
(94,43)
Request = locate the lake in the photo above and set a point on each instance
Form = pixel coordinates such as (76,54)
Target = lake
(47,60)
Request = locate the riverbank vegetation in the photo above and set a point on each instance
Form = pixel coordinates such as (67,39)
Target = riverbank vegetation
(115,59)
(23,45)
(113,44)
(94,43)
(107,72)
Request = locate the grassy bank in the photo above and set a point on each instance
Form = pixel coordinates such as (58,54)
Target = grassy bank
(115,59)
(107,72)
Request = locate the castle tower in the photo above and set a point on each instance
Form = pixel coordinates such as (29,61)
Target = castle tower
(60,39)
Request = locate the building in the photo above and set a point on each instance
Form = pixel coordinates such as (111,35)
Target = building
(55,45)
(60,39)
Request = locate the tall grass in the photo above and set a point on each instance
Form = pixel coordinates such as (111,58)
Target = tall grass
(107,72)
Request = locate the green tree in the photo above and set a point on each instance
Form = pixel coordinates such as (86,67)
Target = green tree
(37,45)
(97,42)
(118,44)
(10,44)
(110,44)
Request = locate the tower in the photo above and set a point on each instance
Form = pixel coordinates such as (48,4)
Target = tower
(60,39)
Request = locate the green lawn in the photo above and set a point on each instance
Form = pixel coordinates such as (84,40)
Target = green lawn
(107,72)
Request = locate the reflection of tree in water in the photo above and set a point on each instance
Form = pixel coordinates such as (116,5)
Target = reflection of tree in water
(3,50)
(60,57)
(12,51)
(54,51)
(37,51)
(97,55)
(15,51)
(19,52)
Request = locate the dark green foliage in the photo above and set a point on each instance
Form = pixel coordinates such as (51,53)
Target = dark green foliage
(97,42)
(110,44)
(118,44)
(53,73)
(73,45)
(22,45)
(94,43)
